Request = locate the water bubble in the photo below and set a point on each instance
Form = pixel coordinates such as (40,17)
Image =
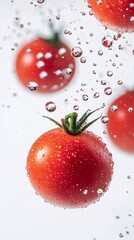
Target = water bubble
(100,192)
(85,192)
(85,97)
(82,59)
(100,52)
(50,106)
(121,235)
(103,82)
(109,73)
(107,41)
(119,82)
(99,2)
(104,132)
(40,1)
(43,75)
(114,108)
(96,95)
(58,17)
(21,25)
(76,107)
(76,52)
(32,86)
(108,90)
(130,109)
(131,5)
(69,71)
(132,19)
(104,119)
(120,47)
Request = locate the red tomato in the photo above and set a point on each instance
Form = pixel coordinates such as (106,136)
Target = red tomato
(69,171)
(121,122)
(116,14)
(47,63)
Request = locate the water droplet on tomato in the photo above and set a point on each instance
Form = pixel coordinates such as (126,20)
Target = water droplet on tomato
(69,71)
(76,52)
(50,106)
(40,64)
(39,55)
(131,5)
(48,55)
(100,192)
(130,109)
(43,75)
(114,108)
(132,19)
(62,51)
(107,41)
(32,86)
(104,119)
(85,192)
(108,90)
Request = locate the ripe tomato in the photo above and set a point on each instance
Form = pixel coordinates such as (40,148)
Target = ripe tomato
(121,122)
(46,62)
(116,14)
(67,170)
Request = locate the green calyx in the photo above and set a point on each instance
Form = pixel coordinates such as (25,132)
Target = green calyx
(55,39)
(70,124)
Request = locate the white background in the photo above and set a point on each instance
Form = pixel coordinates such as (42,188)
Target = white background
(23,214)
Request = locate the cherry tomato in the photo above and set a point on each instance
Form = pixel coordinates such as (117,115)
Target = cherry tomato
(116,14)
(67,170)
(48,63)
(121,122)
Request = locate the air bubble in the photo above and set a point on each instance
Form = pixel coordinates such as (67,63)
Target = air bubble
(76,52)
(108,90)
(109,73)
(76,107)
(32,86)
(130,109)
(40,1)
(114,108)
(104,119)
(82,59)
(85,97)
(121,235)
(100,192)
(69,71)
(119,82)
(107,41)
(50,106)
(100,52)
(96,95)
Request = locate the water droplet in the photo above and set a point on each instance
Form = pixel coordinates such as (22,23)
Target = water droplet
(28,50)
(104,119)
(100,52)
(96,95)
(119,82)
(40,1)
(39,55)
(21,25)
(109,73)
(130,109)
(85,192)
(114,108)
(100,192)
(131,5)
(50,106)
(82,59)
(132,19)
(76,52)
(85,97)
(48,55)
(32,86)
(103,82)
(62,51)
(121,235)
(108,90)
(76,107)
(107,41)
(43,75)
(40,64)
(69,71)
(120,47)
(99,2)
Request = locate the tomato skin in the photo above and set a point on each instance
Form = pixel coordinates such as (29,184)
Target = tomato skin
(116,14)
(121,123)
(40,57)
(68,170)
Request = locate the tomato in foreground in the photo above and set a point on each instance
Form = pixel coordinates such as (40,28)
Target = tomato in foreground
(121,122)
(47,63)
(70,167)
(117,15)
